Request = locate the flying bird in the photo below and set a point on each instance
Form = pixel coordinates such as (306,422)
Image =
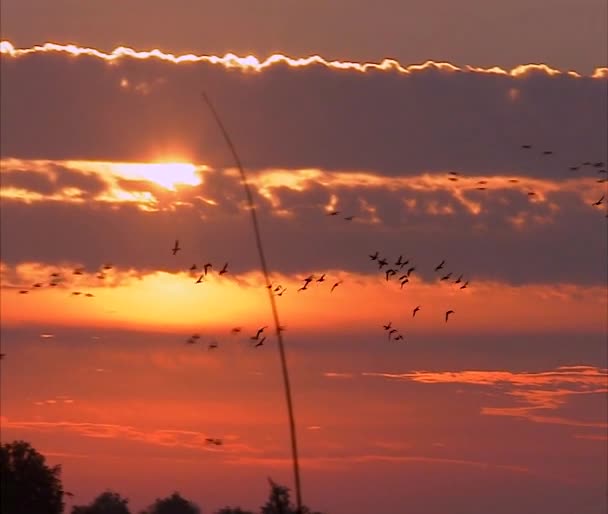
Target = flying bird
(440,265)
(349,218)
(464,286)
(236,330)
(193,267)
(391,332)
(388,326)
(206,267)
(382,263)
(89,295)
(37,284)
(415,311)
(374,256)
(24,291)
(398,338)
(258,333)
(335,285)
(333,213)
(404,281)
(458,280)
(599,202)
(176,247)
(447,315)
(282,292)
(212,345)
(447,277)
(548,152)
(224,269)
(261,342)
(200,279)
(389,273)
(527,147)
(321,278)
(411,270)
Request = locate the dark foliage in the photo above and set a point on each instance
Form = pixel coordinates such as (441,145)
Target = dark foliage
(173,504)
(27,484)
(106,503)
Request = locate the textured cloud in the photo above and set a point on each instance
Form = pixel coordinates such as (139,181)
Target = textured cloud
(434,117)
(535,394)
(500,233)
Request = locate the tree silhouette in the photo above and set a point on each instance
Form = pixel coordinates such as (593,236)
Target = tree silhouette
(173,504)
(27,484)
(279,503)
(233,510)
(106,503)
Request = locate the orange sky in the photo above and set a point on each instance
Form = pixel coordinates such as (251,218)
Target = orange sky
(502,408)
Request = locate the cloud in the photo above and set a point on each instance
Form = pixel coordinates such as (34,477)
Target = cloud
(497,234)
(432,117)
(162,437)
(534,393)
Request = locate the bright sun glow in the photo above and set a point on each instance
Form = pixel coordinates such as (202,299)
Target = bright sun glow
(165,174)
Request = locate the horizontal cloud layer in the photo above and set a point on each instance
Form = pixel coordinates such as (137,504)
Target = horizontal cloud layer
(79,104)
(487,228)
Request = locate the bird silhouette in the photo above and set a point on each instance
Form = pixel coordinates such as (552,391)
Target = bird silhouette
(464,286)
(411,270)
(382,263)
(349,218)
(23,291)
(374,256)
(76,293)
(261,342)
(458,280)
(447,277)
(321,278)
(389,273)
(193,267)
(258,333)
(304,287)
(415,311)
(391,332)
(200,279)
(333,213)
(107,267)
(236,330)
(78,271)
(447,315)
(206,267)
(212,345)
(282,292)
(37,284)
(548,152)
(440,265)
(526,147)
(599,202)
(335,285)
(176,247)
(388,326)
(404,281)
(399,261)
(89,295)
(398,337)
(224,269)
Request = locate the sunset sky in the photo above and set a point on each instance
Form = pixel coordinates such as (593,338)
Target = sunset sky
(409,117)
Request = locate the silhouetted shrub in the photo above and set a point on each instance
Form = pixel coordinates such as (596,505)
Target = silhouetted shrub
(27,484)
(106,503)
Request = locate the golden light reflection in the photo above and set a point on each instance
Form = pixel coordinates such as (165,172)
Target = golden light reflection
(162,301)
(166,174)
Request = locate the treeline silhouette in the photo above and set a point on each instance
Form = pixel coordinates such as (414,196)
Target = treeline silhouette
(29,486)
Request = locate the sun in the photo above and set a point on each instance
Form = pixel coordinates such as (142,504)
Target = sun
(165,174)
